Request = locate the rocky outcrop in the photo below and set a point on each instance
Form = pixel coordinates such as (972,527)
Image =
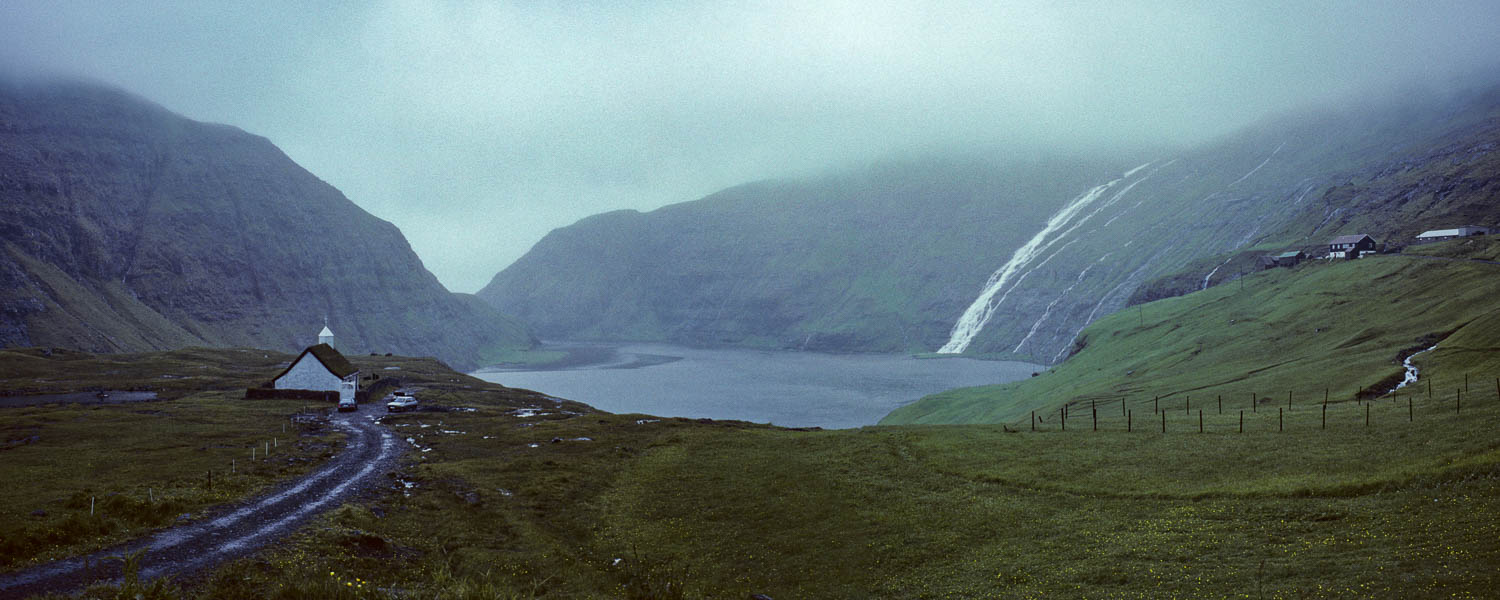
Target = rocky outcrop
(126,227)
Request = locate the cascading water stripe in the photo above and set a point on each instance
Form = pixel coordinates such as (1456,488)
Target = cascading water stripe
(1133,277)
(1411,369)
(978,314)
(1257,167)
(979,311)
(1053,304)
(1210,274)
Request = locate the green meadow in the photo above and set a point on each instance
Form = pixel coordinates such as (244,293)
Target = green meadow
(1375,496)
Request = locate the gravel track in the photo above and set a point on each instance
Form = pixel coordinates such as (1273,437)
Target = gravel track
(235,530)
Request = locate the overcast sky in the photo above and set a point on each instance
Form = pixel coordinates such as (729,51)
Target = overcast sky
(477,127)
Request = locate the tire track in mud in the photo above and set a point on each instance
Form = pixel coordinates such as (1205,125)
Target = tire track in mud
(236,531)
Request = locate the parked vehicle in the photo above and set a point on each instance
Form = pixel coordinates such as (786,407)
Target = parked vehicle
(401,401)
(347,404)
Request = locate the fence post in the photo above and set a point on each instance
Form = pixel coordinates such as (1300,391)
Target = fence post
(1221,403)
(1096,419)
(1033,420)
(1289,400)
(1156,404)
(1129,417)
(1459,402)
(1325,415)
(1429,389)
(1200,421)
(1279,422)
(1466,382)
(1187,404)
(1122,401)
(1252,403)
(1163,422)
(1242,421)
(1062,417)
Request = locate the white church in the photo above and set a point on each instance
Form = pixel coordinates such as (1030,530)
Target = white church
(320,368)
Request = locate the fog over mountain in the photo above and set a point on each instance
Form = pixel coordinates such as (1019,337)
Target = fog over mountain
(479,127)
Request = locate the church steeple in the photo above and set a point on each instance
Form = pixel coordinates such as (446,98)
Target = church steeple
(325,336)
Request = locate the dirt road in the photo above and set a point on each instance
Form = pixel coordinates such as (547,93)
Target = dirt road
(236,530)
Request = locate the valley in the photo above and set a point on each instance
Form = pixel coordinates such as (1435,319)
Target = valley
(525,497)
(897,300)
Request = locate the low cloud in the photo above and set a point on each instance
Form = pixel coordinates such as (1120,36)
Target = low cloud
(477,127)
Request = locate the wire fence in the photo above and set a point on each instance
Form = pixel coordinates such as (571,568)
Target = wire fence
(1255,412)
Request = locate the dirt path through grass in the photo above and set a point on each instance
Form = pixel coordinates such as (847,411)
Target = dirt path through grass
(235,530)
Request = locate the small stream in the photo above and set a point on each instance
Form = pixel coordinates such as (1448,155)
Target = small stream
(1411,369)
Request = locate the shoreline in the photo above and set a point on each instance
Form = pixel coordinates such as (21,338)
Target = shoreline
(610,355)
(585,355)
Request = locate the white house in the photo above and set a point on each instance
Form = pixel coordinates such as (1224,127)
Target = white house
(320,368)
(1438,235)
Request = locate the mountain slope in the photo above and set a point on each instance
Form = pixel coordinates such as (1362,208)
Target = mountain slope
(1342,327)
(876,259)
(129,228)
(895,259)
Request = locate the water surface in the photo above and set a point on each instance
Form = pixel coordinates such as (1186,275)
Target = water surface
(791,389)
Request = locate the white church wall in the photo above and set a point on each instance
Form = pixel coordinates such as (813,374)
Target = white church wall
(308,374)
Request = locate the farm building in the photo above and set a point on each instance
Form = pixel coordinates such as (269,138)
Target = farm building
(320,368)
(1438,235)
(1350,246)
(1288,259)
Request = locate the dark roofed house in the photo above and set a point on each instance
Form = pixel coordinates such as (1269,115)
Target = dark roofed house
(320,368)
(1289,259)
(1350,246)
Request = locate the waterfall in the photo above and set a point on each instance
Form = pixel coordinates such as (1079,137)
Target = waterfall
(979,312)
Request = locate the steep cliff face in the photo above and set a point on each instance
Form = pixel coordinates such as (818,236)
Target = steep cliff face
(877,259)
(1001,257)
(126,227)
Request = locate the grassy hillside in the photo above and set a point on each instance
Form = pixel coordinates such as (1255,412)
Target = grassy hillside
(1338,327)
(564,502)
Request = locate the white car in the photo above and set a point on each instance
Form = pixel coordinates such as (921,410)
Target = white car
(400,401)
